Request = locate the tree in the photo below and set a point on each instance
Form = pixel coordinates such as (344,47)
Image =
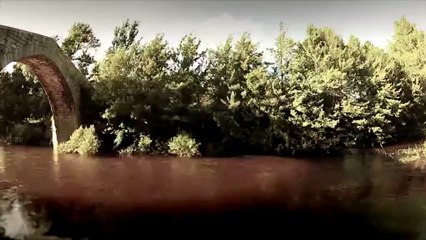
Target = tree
(133,84)
(24,108)
(409,48)
(125,35)
(188,70)
(80,45)
(339,95)
(227,90)
(318,94)
(284,52)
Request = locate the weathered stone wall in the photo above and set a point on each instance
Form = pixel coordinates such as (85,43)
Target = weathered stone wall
(59,77)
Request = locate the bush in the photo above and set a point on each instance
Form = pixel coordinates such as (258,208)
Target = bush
(159,148)
(130,150)
(25,133)
(141,146)
(83,141)
(183,145)
(144,144)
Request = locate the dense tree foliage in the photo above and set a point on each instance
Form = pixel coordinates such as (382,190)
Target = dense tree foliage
(24,109)
(322,93)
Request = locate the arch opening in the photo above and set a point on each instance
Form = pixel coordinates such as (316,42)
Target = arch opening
(59,95)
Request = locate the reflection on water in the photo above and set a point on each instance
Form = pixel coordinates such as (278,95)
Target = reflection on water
(357,196)
(2,159)
(19,218)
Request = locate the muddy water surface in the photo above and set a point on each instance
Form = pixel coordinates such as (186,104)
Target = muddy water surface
(362,195)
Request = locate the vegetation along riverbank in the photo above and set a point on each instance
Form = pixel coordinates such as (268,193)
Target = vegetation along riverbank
(319,94)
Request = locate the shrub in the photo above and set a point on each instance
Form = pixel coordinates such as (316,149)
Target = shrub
(83,141)
(128,150)
(141,146)
(25,133)
(183,145)
(144,144)
(159,148)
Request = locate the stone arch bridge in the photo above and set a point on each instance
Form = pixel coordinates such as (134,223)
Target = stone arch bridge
(60,79)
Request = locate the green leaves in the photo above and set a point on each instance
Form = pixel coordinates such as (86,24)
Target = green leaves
(338,94)
(23,100)
(80,45)
(125,35)
(182,145)
(80,38)
(83,141)
(319,94)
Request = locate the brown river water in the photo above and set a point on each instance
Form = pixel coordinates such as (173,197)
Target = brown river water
(360,195)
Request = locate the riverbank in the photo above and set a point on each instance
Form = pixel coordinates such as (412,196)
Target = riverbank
(413,153)
(151,97)
(390,150)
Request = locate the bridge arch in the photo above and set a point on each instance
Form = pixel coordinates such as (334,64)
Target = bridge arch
(60,79)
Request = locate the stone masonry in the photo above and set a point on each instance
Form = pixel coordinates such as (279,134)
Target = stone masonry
(59,77)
